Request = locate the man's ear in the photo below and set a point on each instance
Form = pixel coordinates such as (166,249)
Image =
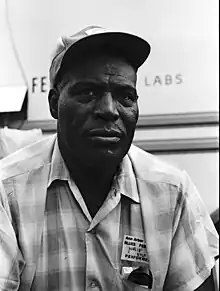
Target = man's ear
(53,98)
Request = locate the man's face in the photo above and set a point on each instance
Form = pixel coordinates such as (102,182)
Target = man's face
(97,110)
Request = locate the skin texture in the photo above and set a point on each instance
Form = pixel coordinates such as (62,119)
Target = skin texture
(98,94)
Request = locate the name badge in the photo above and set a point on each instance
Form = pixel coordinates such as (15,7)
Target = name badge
(134,249)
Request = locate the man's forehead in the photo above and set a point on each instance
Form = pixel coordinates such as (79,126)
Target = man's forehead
(103,83)
(105,73)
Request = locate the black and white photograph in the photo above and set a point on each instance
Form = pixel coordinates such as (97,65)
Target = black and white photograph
(109,145)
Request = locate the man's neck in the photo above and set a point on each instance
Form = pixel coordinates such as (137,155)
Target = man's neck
(97,178)
(94,182)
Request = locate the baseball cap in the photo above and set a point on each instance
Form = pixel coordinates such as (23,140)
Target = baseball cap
(134,48)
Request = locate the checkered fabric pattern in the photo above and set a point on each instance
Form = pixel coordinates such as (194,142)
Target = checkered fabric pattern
(78,252)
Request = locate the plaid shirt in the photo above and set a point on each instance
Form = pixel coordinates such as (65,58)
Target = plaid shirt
(157,206)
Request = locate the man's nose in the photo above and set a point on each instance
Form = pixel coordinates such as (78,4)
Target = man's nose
(106,107)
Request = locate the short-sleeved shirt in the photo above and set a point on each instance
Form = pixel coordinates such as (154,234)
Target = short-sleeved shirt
(79,252)
(152,220)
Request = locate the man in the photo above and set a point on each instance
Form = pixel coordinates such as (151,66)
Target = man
(86,210)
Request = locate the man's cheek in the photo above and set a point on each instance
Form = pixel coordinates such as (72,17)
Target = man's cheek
(130,117)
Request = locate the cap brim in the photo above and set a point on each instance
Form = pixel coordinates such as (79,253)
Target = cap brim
(134,48)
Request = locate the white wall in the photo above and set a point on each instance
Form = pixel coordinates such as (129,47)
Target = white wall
(181,74)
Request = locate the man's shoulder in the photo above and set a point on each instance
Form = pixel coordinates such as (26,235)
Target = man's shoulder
(28,158)
(154,169)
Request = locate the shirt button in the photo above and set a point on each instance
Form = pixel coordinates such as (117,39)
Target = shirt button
(93,285)
(93,231)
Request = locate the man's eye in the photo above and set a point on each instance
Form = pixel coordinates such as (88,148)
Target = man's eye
(88,92)
(128,96)
(84,95)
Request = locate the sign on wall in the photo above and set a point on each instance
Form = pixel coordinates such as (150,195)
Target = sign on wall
(180,75)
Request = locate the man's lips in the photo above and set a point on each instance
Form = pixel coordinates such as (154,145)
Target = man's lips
(103,135)
(105,132)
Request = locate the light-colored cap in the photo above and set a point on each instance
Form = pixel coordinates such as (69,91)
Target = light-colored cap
(134,48)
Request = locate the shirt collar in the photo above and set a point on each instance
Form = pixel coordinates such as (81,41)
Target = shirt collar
(127,180)
(124,182)
(58,169)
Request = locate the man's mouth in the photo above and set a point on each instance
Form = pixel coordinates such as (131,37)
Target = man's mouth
(103,135)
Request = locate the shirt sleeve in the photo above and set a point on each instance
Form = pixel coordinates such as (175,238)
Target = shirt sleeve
(194,244)
(11,260)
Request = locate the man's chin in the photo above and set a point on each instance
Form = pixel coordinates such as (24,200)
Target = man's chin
(107,153)
(99,153)
(105,157)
